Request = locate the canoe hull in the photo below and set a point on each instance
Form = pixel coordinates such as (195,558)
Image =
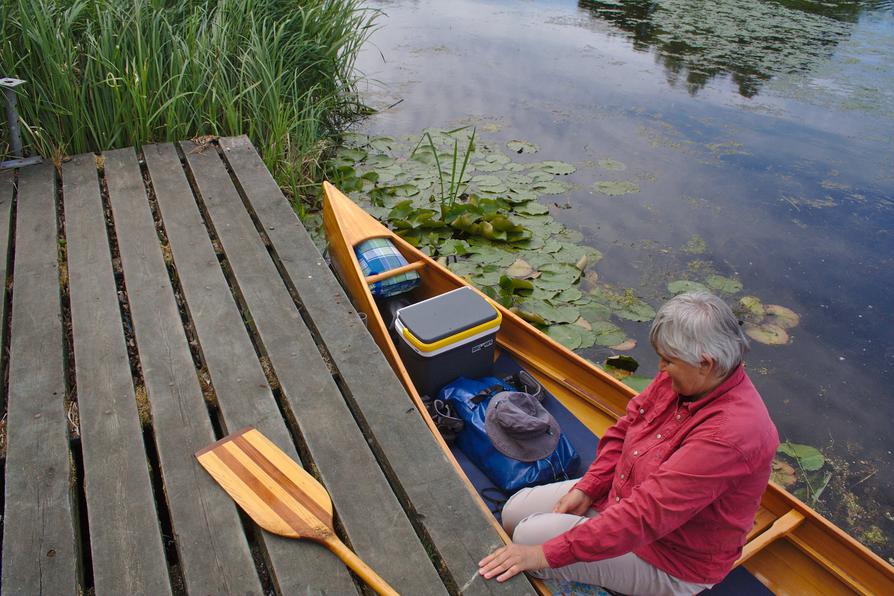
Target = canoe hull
(792,549)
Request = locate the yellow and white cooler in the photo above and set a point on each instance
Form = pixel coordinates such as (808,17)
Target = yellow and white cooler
(451,335)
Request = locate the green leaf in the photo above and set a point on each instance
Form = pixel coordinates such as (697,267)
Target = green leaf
(561,313)
(627,363)
(522,287)
(636,383)
(558,168)
(615,188)
(532,208)
(724,284)
(808,457)
(636,311)
(522,147)
(684,285)
(570,336)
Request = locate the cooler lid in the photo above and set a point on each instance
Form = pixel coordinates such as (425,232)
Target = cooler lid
(447,315)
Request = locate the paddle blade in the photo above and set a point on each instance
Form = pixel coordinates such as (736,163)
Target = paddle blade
(277,493)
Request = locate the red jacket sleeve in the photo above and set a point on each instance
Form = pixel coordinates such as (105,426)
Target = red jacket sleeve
(692,478)
(598,479)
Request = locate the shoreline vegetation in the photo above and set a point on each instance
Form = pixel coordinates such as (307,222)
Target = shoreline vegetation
(104,74)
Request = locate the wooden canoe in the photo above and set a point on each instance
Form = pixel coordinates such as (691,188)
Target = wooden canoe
(792,548)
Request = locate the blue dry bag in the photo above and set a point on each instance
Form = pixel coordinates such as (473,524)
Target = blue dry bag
(493,412)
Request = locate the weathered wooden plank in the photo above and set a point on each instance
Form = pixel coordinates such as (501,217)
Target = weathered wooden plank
(242,391)
(7,181)
(416,467)
(39,538)
(125,537)
(382,535)
(211,545)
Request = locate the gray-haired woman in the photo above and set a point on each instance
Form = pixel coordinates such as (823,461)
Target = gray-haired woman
(667,504)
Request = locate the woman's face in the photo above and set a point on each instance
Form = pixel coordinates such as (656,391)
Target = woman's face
(686,379)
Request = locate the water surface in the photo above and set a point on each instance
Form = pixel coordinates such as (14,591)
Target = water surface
(760,131)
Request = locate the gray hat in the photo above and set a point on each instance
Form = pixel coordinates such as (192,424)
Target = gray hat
(520,427)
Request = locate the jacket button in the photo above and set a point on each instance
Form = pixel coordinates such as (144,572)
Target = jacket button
(678,416)
(636,453)
(642,411)
(658,436)
(617,499)
(622,476)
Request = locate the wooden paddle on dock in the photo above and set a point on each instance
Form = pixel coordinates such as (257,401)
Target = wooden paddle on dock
(279,494)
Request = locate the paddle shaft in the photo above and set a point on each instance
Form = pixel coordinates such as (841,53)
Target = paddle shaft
(365,572)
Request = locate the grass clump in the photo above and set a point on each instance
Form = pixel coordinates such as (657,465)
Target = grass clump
(113,73)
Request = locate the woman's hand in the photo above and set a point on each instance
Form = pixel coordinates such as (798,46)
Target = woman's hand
(511,560)
(576,502)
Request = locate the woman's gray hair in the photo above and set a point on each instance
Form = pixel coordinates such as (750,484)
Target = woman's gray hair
(698,324)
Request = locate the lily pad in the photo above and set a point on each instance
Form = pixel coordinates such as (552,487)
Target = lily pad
(595,312)
(627,363)
(782,316)
(624,346)
(558,168)
(684,285)
(549,188)
(569,336)
(783,474)
(532,208)
(520,269)
(561,313)
(723,284)
(570,295)
(767,333)
(610,164)
(636,311)
(808,457)
(614,188)
(752,306)
(637,383)
(522,147)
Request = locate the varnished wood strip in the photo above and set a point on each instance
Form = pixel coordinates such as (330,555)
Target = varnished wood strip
(298,494)
(268,493)
(245,497)
(291,467)
(125,536)
(40,552)
(241,388)
(416,265)
(212,549)
(762,521)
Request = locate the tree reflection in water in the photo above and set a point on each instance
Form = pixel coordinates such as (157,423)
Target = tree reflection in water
(751,41)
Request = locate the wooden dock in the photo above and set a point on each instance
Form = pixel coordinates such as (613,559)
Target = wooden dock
(155,302)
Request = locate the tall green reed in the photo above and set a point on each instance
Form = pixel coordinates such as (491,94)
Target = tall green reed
(111,73)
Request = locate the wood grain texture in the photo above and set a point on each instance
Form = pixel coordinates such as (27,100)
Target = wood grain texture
(39,539)
(125,536)
(383,536)
(212,548)
(429,487)
(281,497)
(241,388)
(7,188)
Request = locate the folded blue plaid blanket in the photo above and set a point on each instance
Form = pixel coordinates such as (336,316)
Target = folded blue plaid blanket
(378,256)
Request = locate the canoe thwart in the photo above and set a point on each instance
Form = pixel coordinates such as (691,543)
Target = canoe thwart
(780,528)
(396,271)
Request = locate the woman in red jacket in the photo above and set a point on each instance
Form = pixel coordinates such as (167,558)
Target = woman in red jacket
(667,504)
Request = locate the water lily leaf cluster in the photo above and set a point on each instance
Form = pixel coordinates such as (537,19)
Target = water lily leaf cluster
(764,323)
(497,235)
